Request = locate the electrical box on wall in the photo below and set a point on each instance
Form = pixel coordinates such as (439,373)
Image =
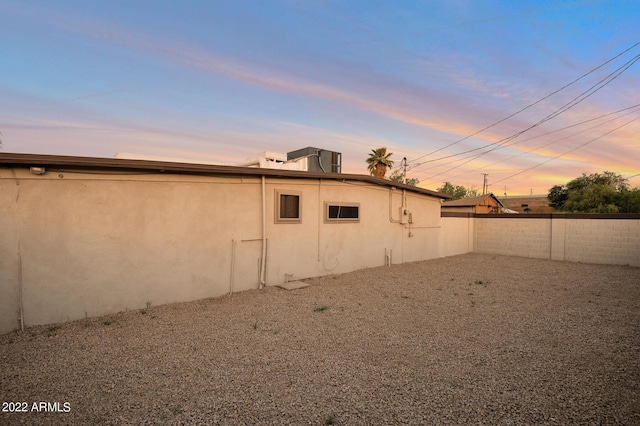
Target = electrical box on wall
(404,217)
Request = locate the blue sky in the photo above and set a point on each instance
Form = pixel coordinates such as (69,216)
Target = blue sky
(223,81)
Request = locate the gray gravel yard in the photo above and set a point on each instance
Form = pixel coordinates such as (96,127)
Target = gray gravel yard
(471,339)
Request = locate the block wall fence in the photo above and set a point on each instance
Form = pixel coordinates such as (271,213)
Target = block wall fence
(587,238)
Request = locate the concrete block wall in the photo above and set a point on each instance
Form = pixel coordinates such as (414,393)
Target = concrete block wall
(609,241)
(587,238)
(514,236)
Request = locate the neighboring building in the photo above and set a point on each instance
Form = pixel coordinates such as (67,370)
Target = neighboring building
(84,237)
(527,203)
(483,204)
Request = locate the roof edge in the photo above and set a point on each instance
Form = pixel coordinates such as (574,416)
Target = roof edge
(76,162)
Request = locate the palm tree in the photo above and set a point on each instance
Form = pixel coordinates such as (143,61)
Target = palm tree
(378,162)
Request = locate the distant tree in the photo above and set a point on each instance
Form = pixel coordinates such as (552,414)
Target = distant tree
(471,192)
(456,191)
(398,176)
(630,201)
(557,196)
(379,161)
(605,192)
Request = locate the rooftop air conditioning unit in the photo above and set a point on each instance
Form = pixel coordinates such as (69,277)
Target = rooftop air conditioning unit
(319,160)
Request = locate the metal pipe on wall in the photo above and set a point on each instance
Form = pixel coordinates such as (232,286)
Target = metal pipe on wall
(233,265)
(391,219)
(263,264)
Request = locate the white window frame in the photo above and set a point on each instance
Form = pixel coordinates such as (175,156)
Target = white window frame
(328,204)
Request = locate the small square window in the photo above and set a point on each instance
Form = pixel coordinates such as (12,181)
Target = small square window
(287,207)
(342,212)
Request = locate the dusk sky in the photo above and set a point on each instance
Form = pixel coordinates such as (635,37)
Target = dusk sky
(226,80)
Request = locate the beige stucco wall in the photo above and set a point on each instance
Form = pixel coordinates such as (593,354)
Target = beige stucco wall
(456,236)
(9,254)
(84,244)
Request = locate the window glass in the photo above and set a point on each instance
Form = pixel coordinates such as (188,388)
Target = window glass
(287,207)
(342,212)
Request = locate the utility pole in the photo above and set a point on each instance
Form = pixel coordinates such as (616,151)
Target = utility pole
(404,173)
(484,183)
(505,190)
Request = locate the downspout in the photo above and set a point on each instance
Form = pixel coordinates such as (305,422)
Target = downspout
(233,265)
(263,263)
(320,216)
(21,301)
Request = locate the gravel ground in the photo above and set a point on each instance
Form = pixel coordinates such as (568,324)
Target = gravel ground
(471,339)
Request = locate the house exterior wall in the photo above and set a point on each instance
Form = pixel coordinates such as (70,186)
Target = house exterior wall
(84,244)
(456,234)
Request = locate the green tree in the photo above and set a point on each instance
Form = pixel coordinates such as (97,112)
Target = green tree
(398,176)
(456,191)
(558,196)
(630,202)
(379,161)
(471,192)
(605,192)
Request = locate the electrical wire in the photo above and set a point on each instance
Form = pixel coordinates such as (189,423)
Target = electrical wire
(539,147)
(533,137)
(530,105)
(567,152)
(575,101)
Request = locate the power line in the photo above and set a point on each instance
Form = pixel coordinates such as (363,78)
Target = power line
(534,137)
(549,143)
(575,101)
(567,152)
(530,105)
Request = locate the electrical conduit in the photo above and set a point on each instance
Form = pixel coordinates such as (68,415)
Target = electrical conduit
(263,261)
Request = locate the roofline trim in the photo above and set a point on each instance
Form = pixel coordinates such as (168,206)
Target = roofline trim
(13,159)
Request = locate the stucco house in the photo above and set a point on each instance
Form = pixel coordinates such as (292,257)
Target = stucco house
(84,237)
(483,204)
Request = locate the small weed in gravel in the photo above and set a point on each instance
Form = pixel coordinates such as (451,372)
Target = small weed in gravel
(330,420)
(320,308)
(107,322)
